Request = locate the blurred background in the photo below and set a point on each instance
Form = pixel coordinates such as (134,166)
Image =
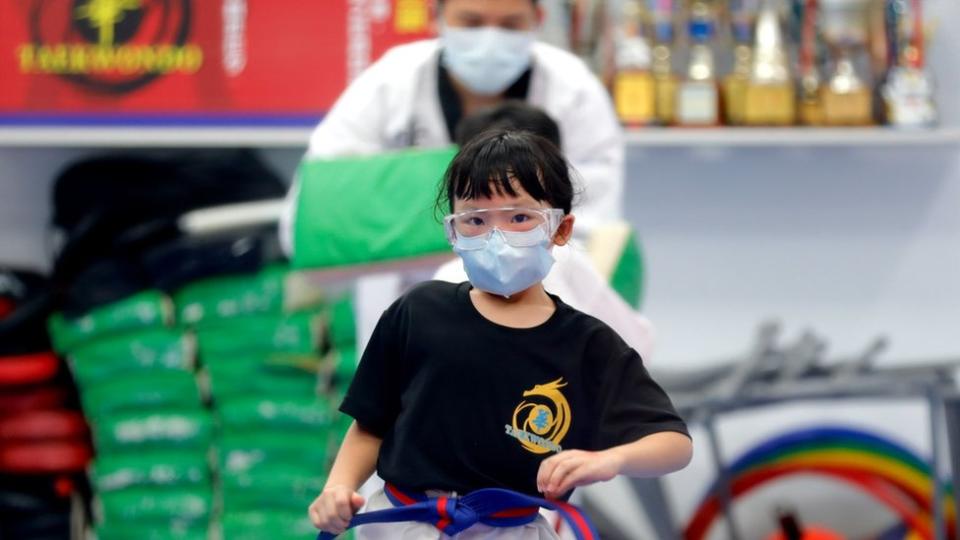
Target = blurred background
(165,372)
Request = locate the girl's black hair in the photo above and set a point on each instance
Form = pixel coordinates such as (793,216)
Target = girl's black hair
(496,161)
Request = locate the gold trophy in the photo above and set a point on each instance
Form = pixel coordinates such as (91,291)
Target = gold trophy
(664,80)
(908,89)
(810,104)
(770,95)
(735,83)
(847,100)
(697,97)
(633,87)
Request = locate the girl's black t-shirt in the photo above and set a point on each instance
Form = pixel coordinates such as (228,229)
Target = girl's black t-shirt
(463,403)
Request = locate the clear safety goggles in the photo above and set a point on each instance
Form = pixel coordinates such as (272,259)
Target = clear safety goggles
(521,227)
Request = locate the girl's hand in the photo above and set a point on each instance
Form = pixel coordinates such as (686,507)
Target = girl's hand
(571,468)
(332,509)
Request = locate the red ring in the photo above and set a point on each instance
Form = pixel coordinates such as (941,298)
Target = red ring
(28,368)
(32,399)
(47,457)
(52,424)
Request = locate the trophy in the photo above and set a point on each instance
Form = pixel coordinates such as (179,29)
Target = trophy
(769,96)
(697,98)
(847,100)
(664,80)
(908,89)
(810,105)
(735,83)
(633,87)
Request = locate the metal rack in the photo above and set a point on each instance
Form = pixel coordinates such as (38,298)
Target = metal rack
(773,374)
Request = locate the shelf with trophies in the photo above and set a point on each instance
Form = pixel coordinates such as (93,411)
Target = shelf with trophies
(838,71)
(681,73)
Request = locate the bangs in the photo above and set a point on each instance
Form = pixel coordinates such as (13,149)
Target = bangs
(498,163)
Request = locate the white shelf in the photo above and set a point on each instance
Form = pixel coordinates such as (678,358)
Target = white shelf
(154,137)
(791,136)
(636,138)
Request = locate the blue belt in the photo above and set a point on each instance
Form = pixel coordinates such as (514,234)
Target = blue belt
(494,507)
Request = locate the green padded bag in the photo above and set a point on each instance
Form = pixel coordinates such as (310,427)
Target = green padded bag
(279,487)
(263,375)
(139,391)
(149,530)
(342,323)
(156,469)
(181,507)
(273,290)
(369,209)
(138,352)
(272,525)
(250,450)
(142,310)
(274,413)
(300,332)
(341,422)
(136,431)
(341,365)
(345,362)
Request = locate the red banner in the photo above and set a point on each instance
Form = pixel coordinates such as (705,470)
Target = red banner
(191,61)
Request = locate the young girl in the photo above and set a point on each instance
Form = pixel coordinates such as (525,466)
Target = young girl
(495,383)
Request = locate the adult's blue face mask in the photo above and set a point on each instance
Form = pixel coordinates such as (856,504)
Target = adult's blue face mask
(495,266)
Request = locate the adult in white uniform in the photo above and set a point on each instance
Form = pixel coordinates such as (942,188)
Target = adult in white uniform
(417,93)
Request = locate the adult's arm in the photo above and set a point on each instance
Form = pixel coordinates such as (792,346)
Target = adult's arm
(353,126)
(593,144)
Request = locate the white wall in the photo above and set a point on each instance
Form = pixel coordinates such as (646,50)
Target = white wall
(849,242)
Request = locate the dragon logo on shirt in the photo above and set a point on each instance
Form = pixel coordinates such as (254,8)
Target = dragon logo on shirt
(542,419)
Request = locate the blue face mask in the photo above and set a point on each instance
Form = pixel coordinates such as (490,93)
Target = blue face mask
(487,59)
(495,266)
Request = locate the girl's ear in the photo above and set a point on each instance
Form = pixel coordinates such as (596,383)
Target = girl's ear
(564,231)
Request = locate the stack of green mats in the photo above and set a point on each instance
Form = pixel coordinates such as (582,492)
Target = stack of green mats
(151,430)
(342,361)
(261,339)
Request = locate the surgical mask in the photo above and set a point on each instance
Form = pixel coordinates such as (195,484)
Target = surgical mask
(504,262)
(486,59)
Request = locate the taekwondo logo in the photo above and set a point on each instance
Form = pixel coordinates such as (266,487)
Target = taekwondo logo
(541,423)
(109,46)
